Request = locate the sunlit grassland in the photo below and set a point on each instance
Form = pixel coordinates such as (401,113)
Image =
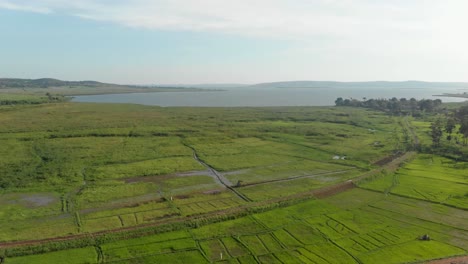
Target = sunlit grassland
(357,226)
(285,188)
(422,130)
(109,166)
(76,89)
(29,205)
(428,177)
(41,227)
(72,256)
(61,145)
(19,98)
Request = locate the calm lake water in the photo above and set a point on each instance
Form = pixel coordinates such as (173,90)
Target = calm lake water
(236,97)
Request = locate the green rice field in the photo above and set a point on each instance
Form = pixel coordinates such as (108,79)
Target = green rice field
(139,184)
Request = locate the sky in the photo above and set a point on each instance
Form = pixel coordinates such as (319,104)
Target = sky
(234,41)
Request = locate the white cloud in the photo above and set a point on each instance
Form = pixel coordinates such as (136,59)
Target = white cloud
(284,18)
(365,19)
(339,37)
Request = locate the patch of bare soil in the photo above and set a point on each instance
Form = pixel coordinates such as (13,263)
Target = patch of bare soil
(153,179)
(37,200)
(212,192)
(454,260)
(332,190)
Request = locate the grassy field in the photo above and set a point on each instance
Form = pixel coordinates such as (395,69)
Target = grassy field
(358,226)
(428,177)
(79,168)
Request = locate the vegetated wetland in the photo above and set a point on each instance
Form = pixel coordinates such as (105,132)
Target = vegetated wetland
(122,183)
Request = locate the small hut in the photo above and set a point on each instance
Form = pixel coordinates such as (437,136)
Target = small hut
(425,237)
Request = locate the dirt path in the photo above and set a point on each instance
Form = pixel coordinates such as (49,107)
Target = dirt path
(454,260)
(221,179)
(391,165)
(411,130)
(218,177)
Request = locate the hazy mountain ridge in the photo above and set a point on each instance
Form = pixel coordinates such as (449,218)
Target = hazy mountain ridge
(48,82)
(370,84)
(45,86)
(204,85)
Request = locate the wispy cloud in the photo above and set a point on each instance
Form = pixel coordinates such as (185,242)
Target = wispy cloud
(297,17)
(359,20)
(24,7)
(257,17)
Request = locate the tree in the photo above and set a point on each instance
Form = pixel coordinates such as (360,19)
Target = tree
(464,129)
(339,101)
(436,132)
(449,127)
(413,105)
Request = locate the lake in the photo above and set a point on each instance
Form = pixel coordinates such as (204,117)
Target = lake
(237,97)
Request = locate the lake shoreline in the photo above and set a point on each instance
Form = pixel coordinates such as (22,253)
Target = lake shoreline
(260,97)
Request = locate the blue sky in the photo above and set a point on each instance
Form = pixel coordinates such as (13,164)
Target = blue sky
(242,41)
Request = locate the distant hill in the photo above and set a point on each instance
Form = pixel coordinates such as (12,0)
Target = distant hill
(376,84)
(69,88)
(48,82)
(203,85)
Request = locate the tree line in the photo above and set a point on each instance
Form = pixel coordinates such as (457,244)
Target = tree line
(452,123)
(394,105)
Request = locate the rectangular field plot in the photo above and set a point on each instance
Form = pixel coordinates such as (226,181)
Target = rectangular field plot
(269,258)
(279,189)
(246,260)
(128,219)
(308,209)
(330,227)
(287,239)
(436,213)
(175,235)
(240,226)
(352,199)
(304,233)
(138,248)
(72,256)
(411,252)
(429,189)
(43,228)
(292,168)
(286,187)
(94,225)
(131,206)
(153,215)
(234,247)
(383,183)
(196,203)
(29,205)
(325,253)
(242,161)
(182,257)
(112,191)
(270,242)
(289,257)
(177,185)
(218,195)
(214,249)
(430,178)
(148,167)
(209,205)
(254,244)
